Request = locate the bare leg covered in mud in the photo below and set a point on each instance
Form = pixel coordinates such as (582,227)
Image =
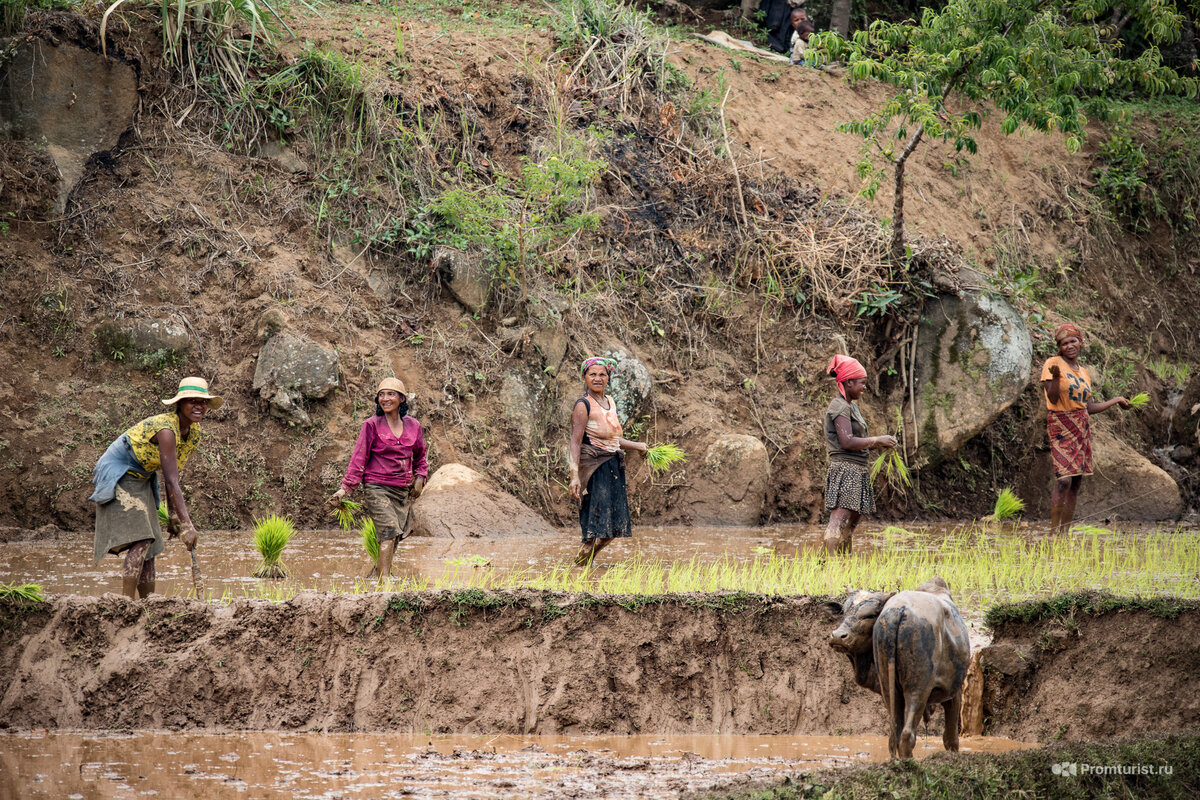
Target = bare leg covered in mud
(137,574)
(1062,503)
(839,534)
(589,551)
(383,569)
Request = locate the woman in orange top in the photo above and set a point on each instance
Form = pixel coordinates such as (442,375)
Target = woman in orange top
(1069,404)
(597,454)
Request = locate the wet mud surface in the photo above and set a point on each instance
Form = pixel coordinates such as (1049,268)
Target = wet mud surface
(275,765)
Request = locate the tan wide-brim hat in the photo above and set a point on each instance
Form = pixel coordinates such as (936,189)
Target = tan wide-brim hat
(197,388)
(395,384)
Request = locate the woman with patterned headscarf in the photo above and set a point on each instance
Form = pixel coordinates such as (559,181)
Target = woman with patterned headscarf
(848,483)
(1069,404)
(598,462)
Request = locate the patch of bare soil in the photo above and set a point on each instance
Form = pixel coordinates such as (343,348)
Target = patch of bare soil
(470,662)
(1091,677)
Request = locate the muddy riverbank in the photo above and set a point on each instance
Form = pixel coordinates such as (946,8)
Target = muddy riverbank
(543,663)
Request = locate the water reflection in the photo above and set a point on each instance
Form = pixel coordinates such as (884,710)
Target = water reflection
(268,765)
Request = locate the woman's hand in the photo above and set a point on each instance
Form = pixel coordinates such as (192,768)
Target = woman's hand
(417,487)
(642,448)
(1122,402)
(189,536)
(1054,373)
(886,442)
(337,498)
(173,526)
(576,488)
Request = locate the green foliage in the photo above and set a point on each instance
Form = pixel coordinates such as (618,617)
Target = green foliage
(1007,505)
(1167,372)
(1042,63)
(347,511)
(1138,400)
(662,457)
(271,535)
(1121,179)
(163,515)
(370,539)
(22,594)
(890,463)
(1091,603)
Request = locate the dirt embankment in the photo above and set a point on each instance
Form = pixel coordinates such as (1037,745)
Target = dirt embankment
(543,663)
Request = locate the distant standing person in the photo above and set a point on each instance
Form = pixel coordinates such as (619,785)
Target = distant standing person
(1069,405)
(598,463)
(389,461)
(848,492)
(127,492)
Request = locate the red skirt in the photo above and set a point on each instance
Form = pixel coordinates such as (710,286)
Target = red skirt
(1070,436)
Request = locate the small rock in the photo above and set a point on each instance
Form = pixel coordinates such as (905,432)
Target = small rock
(270,323)
(551,345)
(517,403)
(465,276)
(145,344)
(1007,659)
(290,369)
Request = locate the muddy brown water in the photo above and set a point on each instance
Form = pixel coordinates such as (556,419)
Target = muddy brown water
(326,559)
(79,765)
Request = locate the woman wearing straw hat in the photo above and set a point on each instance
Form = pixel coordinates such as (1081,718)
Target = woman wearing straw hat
(848,483)
(127,491)
(597,459)
(389,461)
(1069,405)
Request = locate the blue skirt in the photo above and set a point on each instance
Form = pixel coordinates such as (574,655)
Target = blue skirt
(604,512)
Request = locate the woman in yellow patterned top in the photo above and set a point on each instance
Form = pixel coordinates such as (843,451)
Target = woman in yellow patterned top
(127,492)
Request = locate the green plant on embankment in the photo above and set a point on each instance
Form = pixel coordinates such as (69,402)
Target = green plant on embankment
(271,535)
(1067,605)
(22,593)
(1033,773)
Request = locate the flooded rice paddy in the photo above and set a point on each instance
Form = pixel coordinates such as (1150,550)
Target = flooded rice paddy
(283,765)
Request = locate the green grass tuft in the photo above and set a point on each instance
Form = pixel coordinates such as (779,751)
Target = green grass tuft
(370,539)
(1091,603)
(271,535)
(1138,400)
(1007,505)
(662,457)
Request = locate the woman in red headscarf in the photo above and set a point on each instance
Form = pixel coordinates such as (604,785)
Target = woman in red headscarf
(1069,404)
(848,483)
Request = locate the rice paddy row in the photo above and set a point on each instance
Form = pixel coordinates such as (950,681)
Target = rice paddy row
(984,565)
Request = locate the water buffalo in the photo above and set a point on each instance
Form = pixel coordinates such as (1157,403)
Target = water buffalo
(913,649)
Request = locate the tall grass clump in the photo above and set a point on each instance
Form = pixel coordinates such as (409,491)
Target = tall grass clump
(662,457)
(620,51)
(370,539)
(12,16)
(1008,505)
(271,535)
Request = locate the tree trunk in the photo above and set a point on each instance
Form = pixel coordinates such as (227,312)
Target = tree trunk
(897,246)
(839,20)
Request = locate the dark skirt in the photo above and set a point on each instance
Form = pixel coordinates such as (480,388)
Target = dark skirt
(390,508)
(848,485)
(604,512)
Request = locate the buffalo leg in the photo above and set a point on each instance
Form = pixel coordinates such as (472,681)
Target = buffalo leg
(953,709)
(914,709)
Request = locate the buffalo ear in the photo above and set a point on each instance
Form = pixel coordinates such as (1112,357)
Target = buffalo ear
(833,610)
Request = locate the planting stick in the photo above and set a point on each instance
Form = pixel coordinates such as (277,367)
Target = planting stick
(196,579)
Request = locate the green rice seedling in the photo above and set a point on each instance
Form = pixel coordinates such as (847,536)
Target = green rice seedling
(163,515)
(662,457)
(470,561)
(347,511)
(23,593)
(1007,505)
(1138,400)
(895,472)
(370,539)
(271,535)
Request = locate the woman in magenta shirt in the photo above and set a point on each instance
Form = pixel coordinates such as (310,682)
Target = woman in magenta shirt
(389,461)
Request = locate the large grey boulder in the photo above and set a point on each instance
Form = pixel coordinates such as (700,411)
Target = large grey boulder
(291,369)
(72,101)
(465,275)
(145,344)
(1125,484)
(459,503)
(730,486)
(629,386)
(973,361)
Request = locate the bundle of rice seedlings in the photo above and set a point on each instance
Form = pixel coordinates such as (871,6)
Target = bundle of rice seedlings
(24,593)
(271,535)
(163,515)
(1138,400)
(895,472)
(662,457)
(370,541)
(1007,505)
(346,514)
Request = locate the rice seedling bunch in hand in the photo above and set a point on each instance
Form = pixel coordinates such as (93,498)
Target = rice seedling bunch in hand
(347,511)
(370,541)
(1007,505)
(1138,400)
(271,535)
(662,457)
(890,463)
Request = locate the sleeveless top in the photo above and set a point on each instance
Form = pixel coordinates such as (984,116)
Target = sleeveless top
(603,429)
(147,452)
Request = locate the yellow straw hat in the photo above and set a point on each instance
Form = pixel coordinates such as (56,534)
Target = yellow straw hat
(198,388)
(394,384)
